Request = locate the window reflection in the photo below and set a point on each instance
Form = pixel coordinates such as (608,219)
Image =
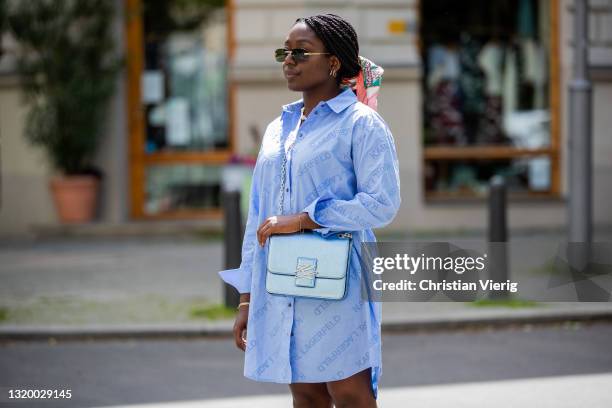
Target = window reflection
(182,187)
(184,80)
(486,76)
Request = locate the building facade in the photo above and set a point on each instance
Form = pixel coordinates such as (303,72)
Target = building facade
(469,91)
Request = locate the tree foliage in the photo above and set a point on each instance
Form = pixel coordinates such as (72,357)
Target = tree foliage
(68,67)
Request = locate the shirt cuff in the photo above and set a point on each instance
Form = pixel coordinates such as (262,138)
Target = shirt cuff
(237,279)
(311,209)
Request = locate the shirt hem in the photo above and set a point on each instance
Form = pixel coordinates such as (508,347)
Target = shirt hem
(374,380)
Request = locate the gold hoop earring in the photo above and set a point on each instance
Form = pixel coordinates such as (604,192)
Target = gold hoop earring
(332,73)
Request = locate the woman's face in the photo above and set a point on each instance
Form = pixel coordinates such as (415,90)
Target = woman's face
(314,72)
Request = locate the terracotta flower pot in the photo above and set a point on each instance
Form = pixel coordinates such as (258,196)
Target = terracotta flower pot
(75,197)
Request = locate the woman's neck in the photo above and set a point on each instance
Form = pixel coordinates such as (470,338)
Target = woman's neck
(313,97)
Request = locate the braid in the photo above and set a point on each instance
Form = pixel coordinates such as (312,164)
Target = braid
(340,39)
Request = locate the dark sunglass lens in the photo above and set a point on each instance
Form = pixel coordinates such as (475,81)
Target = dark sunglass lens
(299,54)
(280,54)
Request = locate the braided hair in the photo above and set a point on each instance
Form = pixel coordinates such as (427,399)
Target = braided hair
(340,39)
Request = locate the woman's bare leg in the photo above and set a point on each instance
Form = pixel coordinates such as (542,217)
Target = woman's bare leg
(354,391)
(310,395)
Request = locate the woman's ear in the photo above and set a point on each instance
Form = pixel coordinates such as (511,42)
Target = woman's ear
(335,64)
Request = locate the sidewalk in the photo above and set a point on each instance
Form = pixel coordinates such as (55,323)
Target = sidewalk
(131,287)
(549,392)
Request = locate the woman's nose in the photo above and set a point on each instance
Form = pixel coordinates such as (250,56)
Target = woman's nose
(290,56)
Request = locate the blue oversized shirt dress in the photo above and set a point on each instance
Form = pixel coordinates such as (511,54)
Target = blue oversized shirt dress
(343,170)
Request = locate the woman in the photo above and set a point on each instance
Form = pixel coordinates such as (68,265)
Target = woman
(342,175)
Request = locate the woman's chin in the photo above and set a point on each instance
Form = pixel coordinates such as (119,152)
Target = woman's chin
(293,86)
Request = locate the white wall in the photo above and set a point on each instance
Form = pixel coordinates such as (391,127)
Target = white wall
(25,197)
(262,25)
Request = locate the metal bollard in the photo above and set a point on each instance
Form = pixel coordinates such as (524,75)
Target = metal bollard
(498,235)
(232,241)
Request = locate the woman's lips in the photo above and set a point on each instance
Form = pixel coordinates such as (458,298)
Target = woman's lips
(289,74)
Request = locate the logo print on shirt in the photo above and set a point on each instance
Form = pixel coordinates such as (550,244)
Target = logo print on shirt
(318,160)
(265,365)
(318,336)
(342,347)
(334,134)
(377,150)
(321,307)
(326,184)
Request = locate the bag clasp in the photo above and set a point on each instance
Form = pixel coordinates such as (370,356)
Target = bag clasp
(306,272)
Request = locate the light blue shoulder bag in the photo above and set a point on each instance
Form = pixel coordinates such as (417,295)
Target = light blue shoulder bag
(307,264)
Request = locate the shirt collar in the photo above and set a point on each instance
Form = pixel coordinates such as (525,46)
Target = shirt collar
(338,103)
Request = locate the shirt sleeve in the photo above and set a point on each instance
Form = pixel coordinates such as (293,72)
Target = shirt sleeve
(240,278)
(378,185)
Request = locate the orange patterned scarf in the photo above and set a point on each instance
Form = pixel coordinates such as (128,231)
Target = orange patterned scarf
(367,83)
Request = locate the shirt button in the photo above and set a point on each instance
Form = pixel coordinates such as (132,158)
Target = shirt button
(287,190)
(289,304)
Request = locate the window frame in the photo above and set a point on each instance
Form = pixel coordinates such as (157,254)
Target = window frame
(138,159)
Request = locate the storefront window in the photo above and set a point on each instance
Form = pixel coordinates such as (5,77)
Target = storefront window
(182,187)
(178,106)
(487,92)
(184,81)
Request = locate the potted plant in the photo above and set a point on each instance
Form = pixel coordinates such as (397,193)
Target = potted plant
(67,67)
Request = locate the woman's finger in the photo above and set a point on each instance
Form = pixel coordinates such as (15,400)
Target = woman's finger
(265,233)
(243,339)
(237,337)
(259,231)
(260,234)
(262,237)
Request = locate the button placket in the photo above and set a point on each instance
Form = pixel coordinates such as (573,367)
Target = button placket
(290,303)
(288,177)
(299,134)
(290,162)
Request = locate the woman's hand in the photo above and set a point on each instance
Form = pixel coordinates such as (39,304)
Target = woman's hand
(279,224)
(240,326)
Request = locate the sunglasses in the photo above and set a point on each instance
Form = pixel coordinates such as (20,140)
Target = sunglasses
(298,54)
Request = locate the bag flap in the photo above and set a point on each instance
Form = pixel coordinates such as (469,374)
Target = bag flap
(331,253)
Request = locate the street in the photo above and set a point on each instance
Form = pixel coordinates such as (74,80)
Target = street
(114,372)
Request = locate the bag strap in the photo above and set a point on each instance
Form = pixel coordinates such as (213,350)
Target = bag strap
(284,167)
